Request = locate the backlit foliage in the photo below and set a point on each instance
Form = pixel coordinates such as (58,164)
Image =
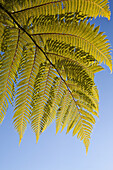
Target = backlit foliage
(49,55)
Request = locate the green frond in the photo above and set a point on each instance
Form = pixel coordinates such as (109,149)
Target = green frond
(43,96)
(58,91)
(84,96)
(72,61)
(76,116)
(29,66)
(49,116)
(49,57)
(91,8)
(96,68)
(87,107)
(79,35)
(10,62)
(63,106)
(71,110)
(82,124)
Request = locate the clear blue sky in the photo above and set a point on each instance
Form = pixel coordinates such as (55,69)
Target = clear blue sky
(61,151)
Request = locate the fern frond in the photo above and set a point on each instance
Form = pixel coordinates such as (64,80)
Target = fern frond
(80,35)
(77,65)
(58,93)
(77,113)
(68,115)
(42,100)
(63,106)
(49,116)
(91,8)
(78,119)
(31,58)
(49,56)
(10,62)
(82,124)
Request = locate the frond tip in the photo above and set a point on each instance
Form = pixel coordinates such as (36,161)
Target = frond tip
(37,138)
(20,141)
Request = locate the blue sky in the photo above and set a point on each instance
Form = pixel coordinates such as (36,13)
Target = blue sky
(61,151)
